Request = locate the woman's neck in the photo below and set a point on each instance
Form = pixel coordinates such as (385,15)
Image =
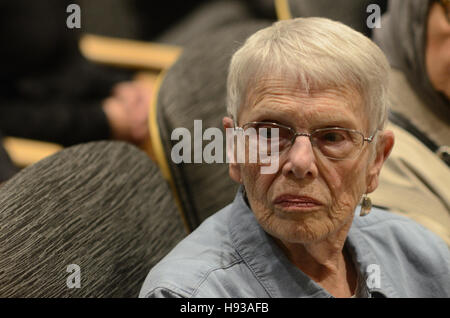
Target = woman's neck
(326,262)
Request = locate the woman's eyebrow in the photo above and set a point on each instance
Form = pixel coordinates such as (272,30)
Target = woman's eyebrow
(289,118)
(343,122)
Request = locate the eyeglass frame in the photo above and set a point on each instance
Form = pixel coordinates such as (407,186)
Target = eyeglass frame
(309,135)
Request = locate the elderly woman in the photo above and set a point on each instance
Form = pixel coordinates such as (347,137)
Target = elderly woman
(298,232)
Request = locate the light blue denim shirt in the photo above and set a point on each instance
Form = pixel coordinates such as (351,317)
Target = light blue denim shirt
(230,255)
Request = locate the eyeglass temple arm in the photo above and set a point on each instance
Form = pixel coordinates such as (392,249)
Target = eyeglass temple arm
(370,139)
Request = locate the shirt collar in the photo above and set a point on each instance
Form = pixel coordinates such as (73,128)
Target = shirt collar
(278,276)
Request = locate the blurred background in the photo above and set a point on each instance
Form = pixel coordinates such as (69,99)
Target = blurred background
(62,90)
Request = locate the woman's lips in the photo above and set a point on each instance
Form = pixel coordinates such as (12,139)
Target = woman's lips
(296,201)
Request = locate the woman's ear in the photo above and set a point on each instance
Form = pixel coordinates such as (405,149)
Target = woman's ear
(383,148)
(234,168)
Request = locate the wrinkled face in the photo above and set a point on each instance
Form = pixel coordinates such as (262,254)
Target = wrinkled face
(438,49)
(310,197)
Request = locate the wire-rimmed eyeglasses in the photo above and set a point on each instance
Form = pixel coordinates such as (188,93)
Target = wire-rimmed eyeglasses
(334,143)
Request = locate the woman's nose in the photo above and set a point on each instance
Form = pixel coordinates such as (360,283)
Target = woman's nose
(301,160)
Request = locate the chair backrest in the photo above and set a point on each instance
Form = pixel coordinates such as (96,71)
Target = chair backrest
(7,168)
(351,13)
(194,88)
(98,214)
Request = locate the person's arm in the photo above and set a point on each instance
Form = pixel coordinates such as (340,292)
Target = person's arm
(122,116)
(55,122)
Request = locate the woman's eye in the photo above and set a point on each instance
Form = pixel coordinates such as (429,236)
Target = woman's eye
(266,132)
(333,137)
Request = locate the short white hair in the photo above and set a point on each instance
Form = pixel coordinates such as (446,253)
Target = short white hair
(319,53)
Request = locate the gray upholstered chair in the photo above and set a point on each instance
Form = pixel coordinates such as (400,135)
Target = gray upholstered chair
(102,206)
(195,88)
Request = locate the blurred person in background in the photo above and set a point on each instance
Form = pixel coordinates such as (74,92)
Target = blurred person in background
(415,36)
(50,92)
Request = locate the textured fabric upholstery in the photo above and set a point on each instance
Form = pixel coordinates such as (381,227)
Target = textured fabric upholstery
(103,206)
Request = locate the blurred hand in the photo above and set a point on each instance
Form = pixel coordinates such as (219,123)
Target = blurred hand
(127,111)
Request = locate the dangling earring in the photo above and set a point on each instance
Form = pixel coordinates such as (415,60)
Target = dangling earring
(366,205)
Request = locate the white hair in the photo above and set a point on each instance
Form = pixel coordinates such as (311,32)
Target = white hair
(317,52)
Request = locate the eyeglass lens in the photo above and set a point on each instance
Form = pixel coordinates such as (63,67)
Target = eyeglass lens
(335,143)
